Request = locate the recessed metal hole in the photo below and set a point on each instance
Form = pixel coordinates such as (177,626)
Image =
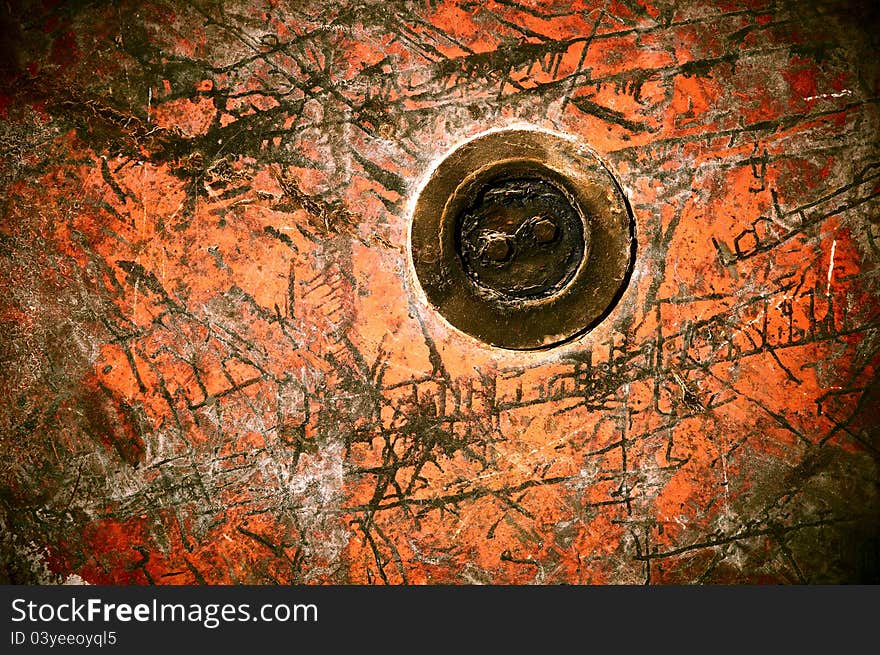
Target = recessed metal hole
(522,239)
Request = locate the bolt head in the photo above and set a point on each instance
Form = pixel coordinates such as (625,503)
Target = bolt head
(544,230)
(496,248)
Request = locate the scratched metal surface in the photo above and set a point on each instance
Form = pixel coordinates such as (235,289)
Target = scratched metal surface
(216,367)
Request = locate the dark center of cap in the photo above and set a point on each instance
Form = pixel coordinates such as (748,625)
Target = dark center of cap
(520,237)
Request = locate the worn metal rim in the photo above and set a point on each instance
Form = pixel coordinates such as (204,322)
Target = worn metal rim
(513,323)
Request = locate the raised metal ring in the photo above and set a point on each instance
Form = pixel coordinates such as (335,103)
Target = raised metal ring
(522,239)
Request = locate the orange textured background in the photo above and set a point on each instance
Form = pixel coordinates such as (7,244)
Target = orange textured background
(218,368)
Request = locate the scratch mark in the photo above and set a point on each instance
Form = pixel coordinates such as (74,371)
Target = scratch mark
(831,267)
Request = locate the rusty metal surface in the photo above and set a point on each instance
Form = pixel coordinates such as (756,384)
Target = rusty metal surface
(216,367)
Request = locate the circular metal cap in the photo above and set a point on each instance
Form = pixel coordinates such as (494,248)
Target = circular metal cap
(522,239)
